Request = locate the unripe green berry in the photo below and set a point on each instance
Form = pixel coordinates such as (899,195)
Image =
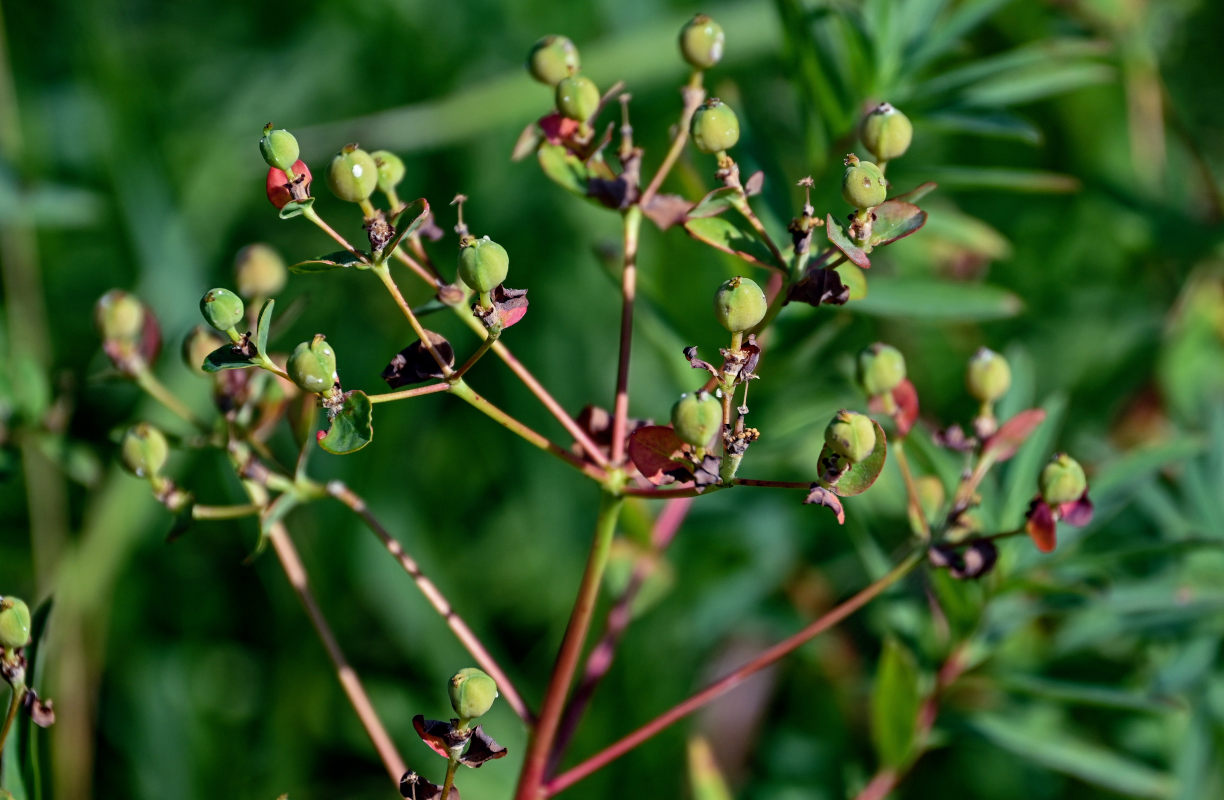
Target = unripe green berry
(715,127)
(119,316)
(863,184)
(577,97)
(1062,480)
(259,271)
(988,377)
(353,175)
(279,148)
(222,309)
(886,132)
(696,418)
(472,693)
(390,170)
(553,59)
(197,345)
(312,365)
(701,42)
(881,368)
(14,623)
(851,435)
(483,264)
(144,450)
(739,304)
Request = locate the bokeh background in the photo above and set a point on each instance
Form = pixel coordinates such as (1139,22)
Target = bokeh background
(1077,146)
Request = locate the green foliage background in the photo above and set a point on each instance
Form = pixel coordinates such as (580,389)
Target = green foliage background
(1076,228)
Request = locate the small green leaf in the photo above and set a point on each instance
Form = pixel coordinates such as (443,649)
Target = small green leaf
(227,356)
(1004,443)
(274,513)
(182,522)
(417,223)
(337,260)
(564,168)
(352,426)
(714,203)
(859,477)
(295,208)
(262,326)
(730,237)
(935,299)
(894,705)
(706,778)
(841,240)
(895,219)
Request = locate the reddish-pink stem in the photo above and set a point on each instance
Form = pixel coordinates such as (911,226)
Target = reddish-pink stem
(620,407)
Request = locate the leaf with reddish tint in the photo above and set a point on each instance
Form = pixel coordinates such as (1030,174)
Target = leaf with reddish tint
(905,399)
(564,168)
(754,184)
(658,454)
(730,237)
(841,240)
(918,192)
(437,735)
(483,748)
(1011,434)
(666,210)
(859,477)
(352,428)
(1040,525)
(819,286)
(714,203)
(414,364)
(895,219)
(823,497)
(511,304)
(1077,512)
(413,787)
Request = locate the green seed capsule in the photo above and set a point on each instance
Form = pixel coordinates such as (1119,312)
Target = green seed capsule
(739,304)
(989,376)
(197,345)
(483,264)
(259,271)
(715,127)
(352,175)
(881,368)
(279,148)
(552,59)
(696,418)
(1062,480)
(14,623)
(222,309)
(144,450)
(119,316)
(390,170)
(863,184)
(851,435)
(577,97)
(886,132)
(472,693)
(312,365)
(701,42)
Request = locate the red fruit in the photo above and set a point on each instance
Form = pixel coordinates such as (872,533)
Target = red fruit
(278,184)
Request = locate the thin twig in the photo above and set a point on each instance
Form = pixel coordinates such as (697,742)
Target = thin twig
(730,681)
(693,94)
(384,275)
(470,641)
(313,216)
(404,394)
(620,408)
(911,488)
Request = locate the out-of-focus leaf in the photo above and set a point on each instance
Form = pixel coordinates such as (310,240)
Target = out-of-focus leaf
(1054,748)
(934,299)
(894,705)
(704,775)
(338,260)
(951,27)
(994,124)
(1020,483)
(658,575)
(1061,52)
(1012,434)
(352,427)
(1005,179)
(1086,694)
(46,205)
(564,168)
(1036,83)
(714,203)
(732,237)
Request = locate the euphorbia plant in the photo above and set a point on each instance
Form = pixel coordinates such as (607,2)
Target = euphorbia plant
(707,447)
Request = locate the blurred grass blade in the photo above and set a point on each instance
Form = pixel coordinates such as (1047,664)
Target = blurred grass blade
(1063,52)
(951,28)
(1003,179)
(1086,694)
(894,705)
(707,780)
(1020,482)
(934,299)
(1056,750)
(996,125)
(1036,83)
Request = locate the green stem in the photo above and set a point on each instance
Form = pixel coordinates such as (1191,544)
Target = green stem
(313,216)
(225,512)
(148,382)
(531,779)
(911,488)
(14,704)
(741,205)
(471,362)
(694,94)
(449,783)
(404,394)
(384,275)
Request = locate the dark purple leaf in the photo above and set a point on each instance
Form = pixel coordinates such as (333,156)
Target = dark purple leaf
(820,286)
(414,364)
(438,735)
(696,363)
(483,748)
(658,454)
(1077,512)
(413,787)
(823,497)
(666,210)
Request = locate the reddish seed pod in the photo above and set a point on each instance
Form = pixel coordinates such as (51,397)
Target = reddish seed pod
(278,184)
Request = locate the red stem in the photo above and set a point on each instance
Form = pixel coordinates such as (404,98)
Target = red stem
(620,408)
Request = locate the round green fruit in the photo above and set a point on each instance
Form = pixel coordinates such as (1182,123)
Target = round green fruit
(701,42)
(197,345)
(886,132)
(312,365)
(390,170)
(577,97)
(259,271)
(863,184)
(279,148)
(881,368)
(696,418)
(222,309)
(553,59)
(352,174)
(472,693)
(740,305)
(483,264)
(989,376)
(14,623)
(851,435)
(1062,480)
(715,127)
(119,316)
(144,450)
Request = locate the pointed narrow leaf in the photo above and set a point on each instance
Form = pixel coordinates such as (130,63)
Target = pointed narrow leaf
(1011,434)
(841,240)
(262,327)
(918,192)
(417,223)
(730,237)
(894,705)
(859,477)
(351,428)
(714,203)
(337,260)
(895,219)
(226,356)
(936,299)
(564,168)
